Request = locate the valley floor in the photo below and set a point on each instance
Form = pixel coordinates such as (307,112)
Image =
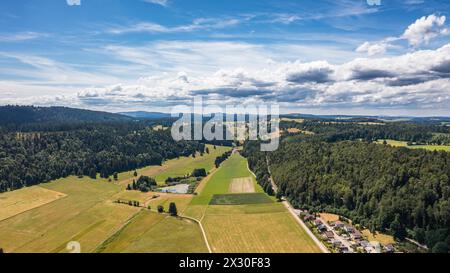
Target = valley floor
(242,218)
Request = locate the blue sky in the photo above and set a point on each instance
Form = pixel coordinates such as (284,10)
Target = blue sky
(345,57)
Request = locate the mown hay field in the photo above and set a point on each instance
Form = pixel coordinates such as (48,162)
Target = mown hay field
(150,232)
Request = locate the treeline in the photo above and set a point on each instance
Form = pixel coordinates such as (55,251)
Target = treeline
(331,131)
(397,190)
(13,116)
(258,164)
(29,158)
(222,158)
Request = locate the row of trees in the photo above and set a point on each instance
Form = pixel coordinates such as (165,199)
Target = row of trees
(397,190)
(222,158)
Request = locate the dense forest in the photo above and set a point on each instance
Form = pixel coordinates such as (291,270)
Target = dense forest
(397,190)
(19,115)
(29,158)
(331,131)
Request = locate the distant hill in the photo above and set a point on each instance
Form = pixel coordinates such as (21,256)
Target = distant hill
(146,115)
(30,114)
(427,120)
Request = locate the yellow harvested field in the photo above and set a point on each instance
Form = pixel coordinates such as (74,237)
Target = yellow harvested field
(16,202)
(164,199)
(298,131)
(242,185)
(298,120)
(378,237)
(329,217)
(150,232)
(273,232)
(87,215)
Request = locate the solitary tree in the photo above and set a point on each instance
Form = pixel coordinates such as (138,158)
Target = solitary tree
(173,209)
(160,209)
(135,174)
(116,176)
(279,196)
(128,187)
(207,150)
(93,174)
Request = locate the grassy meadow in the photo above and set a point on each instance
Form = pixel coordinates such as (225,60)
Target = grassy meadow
(178,167)
(261,227)
(150,232)
(45,218)
(396,143)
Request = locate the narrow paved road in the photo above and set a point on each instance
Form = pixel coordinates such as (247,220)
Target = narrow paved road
(289,207)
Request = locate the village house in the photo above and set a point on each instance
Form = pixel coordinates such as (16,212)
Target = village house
(389,248)
(349,229)
(329,235)
(338,224)
(322,228)
(318,223)
(356,235)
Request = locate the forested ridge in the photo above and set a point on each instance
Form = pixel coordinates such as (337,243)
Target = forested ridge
(396,190)
(331,131)
(334,166)
(29,158)
(15,116)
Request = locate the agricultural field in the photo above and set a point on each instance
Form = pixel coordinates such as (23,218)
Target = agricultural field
(45,218)
(150,232)
(178,167)
(258,227)
(13,203)
(393,143)
(242,185)
(396,143)
(240,199)
(86,214)
(432,147)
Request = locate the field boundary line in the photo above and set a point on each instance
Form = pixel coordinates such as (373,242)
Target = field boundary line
(45,204)
(202,229)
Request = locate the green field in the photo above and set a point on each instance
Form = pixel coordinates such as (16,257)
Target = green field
(255,228)
(431,147)
(240,199)
(150,232)
(45,218)
(178,167)
(234,167)
(396,143)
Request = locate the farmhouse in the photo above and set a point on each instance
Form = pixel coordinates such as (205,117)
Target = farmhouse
(318,222)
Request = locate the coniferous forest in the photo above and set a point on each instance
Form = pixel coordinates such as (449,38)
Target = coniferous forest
(40,152)
(404,192)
